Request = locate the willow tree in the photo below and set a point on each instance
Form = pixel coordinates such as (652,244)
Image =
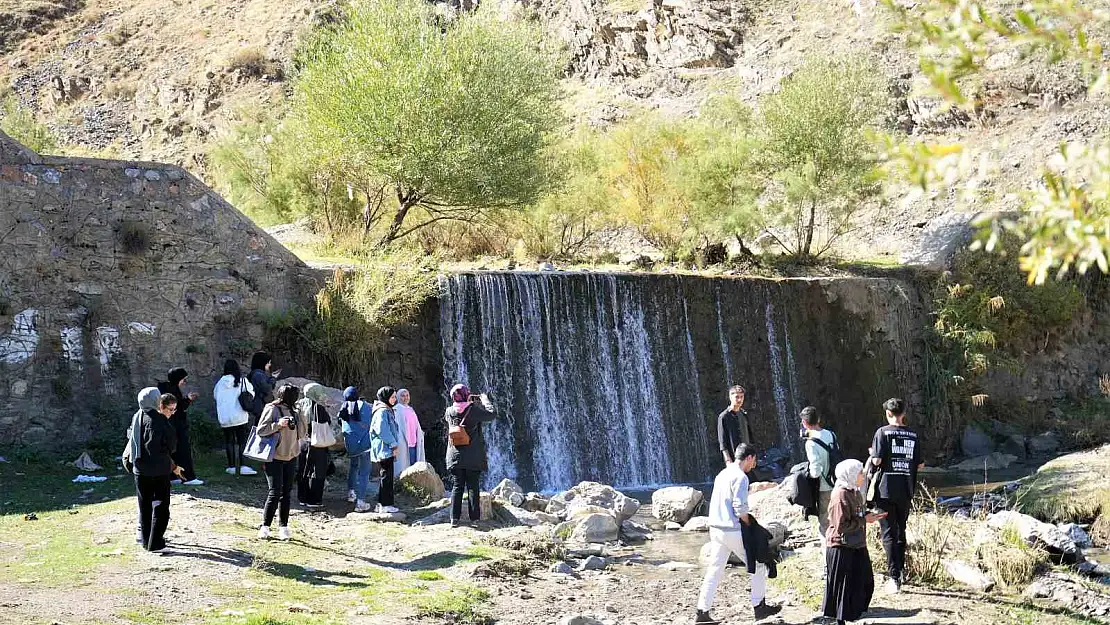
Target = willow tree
(449,118)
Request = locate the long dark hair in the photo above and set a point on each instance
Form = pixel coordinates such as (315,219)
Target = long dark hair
(231,367)
(288,394)
(259,360)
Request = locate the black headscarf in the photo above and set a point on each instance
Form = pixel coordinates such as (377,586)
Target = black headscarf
(176,375)
(384,393)
(259,360)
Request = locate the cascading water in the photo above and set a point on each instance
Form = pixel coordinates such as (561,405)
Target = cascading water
(618,378)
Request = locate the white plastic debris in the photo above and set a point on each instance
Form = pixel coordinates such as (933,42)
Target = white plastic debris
(83,479)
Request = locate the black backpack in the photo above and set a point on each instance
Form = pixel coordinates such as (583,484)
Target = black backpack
(801,489)
(835,457)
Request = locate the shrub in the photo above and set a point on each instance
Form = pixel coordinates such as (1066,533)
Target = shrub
(252,62)
(133,237)
(20,124)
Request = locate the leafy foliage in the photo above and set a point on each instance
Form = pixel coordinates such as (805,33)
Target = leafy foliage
(816,152)
(434,121)
(20,124)
(1066,222)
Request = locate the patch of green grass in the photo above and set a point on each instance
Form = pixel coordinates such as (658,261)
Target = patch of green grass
(429,576)
(149,615)
(801,574)
(479,552)
(461,604)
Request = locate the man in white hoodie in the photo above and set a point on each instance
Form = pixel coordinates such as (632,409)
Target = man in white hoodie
(728,509)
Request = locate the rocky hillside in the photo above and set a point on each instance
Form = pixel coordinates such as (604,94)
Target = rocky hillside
(159,80)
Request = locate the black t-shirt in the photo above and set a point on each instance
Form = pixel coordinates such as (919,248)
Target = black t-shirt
(733,429)
(900,451)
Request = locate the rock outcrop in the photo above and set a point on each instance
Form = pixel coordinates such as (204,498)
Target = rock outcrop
(675,503)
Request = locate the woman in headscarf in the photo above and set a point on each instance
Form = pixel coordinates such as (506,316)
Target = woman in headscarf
(148,402)
(154,440)
(355,415)
(849,579)
(411,437)
(313,460)
(183,457)
(466,462)
(234,419)
(384,444)
(279,418)
(263,382)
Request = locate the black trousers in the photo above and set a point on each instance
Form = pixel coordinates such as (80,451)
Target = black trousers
(154,509)
(183,455)
(385,473)
(280,477)
(235,440)
(894,535)
(468,480)
(311,474)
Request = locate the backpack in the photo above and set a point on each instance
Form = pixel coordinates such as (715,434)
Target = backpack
(835,457)
(457,434)
(801,489)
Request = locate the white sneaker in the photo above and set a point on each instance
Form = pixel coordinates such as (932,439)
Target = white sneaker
(283,532)
(263,532)
(139,537)
(245,470)
(230,470)
(175,481)
(351,496)
(390,509)
(362,506)
(892,587)
(194,482)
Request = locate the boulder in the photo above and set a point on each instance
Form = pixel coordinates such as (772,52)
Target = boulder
(1077,534)
(509,492)
(584,511)
(675,503)
(516,516)
(1035,532)
(562,568)
(596,528)
(1014,445)
(422,477)
(563,530)
(968,575)
(443,516)
(1044,445)
(991,462)
(535,502)
(633,531)
(672,526)
(703,557)
(1038,590)
(593,494)
(771,505)
(975,442)
(545,518)
(593,563)
(697,524)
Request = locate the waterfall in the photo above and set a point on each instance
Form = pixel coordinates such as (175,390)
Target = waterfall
(618,378)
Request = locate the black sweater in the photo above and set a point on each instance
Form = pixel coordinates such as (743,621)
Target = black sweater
(471,457)
(159,440)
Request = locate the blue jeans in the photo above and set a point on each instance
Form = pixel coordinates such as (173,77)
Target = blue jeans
(358,475)
(412,456)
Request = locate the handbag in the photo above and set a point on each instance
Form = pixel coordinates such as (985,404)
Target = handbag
(322,435)
(262,448)
(246,398)
(458,435)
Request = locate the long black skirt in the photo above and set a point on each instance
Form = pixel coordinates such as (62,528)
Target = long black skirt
(849,583)
(311,474)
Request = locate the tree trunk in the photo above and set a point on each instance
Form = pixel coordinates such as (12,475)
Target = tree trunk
(405,202)
(809,230)
(745,250)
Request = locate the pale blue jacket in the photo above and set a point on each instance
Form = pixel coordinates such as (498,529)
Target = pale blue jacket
(383,432)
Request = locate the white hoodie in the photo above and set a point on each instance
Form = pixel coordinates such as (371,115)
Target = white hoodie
(228,410)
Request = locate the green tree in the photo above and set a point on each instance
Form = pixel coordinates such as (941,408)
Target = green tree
(1066,221)
(450,120)
(21,125)
(815,150)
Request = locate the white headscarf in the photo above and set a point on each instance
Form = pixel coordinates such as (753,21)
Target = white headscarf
(847,472)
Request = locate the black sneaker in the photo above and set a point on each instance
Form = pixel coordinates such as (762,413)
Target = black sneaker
(703,618)
(763,610)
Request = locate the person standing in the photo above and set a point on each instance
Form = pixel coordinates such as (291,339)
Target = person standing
(234,419)
(278,417)
(355,416)
(263,382)
(183,456)
(728,513)
(733,426)
(896,454)
(152,457)
(384,445)
(849,580)
(466,462)
(819,442)
(313,460)
(411,436)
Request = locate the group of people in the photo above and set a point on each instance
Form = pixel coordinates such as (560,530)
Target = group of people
(850,494)
(384,435)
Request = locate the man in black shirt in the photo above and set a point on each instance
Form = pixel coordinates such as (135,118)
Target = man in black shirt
(732,425)
(897,454)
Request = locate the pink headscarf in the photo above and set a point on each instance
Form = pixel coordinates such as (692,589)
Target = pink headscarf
(460,394)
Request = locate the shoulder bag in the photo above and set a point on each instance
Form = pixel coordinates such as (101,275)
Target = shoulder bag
(322,434)
(262,448)
(246,398)
(457,434)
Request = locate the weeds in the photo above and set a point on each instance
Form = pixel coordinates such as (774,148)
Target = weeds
(253,63)
(461,605)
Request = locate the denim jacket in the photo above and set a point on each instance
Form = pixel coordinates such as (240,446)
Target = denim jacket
(383,432)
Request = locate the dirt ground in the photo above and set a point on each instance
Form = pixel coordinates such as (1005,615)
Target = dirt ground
(78,563)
